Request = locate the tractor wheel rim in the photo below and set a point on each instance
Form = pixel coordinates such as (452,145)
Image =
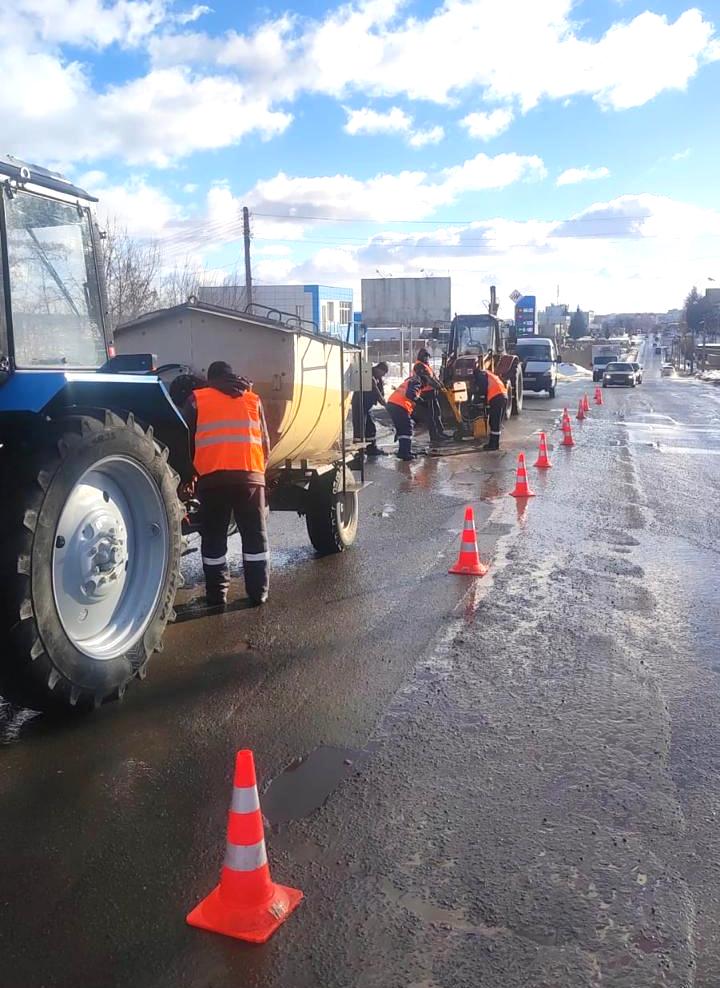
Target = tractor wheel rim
(109,558)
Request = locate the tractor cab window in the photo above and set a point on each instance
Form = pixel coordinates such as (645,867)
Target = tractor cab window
(474,337)
(54,295)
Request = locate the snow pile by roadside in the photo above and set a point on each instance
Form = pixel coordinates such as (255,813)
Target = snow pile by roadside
(572,372)
(711,376)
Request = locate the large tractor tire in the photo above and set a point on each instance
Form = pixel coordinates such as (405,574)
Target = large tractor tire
(517,392)
(331,517)
(89,562)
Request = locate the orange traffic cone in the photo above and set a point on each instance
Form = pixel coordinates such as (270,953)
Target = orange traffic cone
(468,562)
(598,396)
(586,403)
(246,904)
(580,412)
(567,434)
(522,488)
(543,460)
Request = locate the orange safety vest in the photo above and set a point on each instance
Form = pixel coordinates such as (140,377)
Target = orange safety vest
(495,386)
(399,397)
(426,367)
(228,435)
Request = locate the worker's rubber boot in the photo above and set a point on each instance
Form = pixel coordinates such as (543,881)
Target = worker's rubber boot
(405,449)
(493,443)
(374,450)
(217,583)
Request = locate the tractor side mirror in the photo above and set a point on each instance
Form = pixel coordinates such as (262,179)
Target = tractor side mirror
(435,333)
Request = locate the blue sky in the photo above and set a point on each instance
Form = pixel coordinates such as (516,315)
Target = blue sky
(530,143)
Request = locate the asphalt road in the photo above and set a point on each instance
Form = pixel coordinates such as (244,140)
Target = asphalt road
(510,782)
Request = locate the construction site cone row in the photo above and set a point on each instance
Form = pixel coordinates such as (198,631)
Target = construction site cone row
(581,411)
(598,396)
(586,403)
(543,460)
(468,561)
(522,488)
(246,904)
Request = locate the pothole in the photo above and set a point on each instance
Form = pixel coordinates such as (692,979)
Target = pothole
(308,781)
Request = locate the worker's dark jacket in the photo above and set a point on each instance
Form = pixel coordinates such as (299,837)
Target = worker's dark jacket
(232,387)
(426,375)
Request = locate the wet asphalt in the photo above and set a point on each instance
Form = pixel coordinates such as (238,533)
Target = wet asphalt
(511,781)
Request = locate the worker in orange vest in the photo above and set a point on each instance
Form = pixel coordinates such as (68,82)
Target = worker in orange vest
(429,401)
(493,390)
(401,405)
(230,448)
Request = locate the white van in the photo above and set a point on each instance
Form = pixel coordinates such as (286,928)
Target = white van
(539,360)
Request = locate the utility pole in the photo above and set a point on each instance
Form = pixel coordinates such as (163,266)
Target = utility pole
(248,269)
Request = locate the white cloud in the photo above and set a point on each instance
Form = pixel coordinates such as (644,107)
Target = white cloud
(571,176)
(143,209)
(633,253)
(368,121)
(485,126)
(195,13)
(681,155)
(155,119)
(208,91)
(405,195)
(421,138)
(393,121)
(89,23)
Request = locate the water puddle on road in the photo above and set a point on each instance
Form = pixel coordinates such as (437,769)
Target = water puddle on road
(307,782)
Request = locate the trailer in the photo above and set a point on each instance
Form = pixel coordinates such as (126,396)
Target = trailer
(305,380)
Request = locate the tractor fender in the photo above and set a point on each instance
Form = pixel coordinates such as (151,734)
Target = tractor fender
(53,394)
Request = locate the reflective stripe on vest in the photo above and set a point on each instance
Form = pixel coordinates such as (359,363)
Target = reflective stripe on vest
(495,386)
(399,397)
(228,435)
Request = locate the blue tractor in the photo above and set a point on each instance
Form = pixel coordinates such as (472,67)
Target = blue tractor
(91,454)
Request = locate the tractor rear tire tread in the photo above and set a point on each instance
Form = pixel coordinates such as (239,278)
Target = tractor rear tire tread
(28,674)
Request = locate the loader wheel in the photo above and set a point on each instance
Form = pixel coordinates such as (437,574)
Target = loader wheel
(331,518)
(517,392)
(90,562)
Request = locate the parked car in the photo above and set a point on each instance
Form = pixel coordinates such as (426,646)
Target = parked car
(619,373)
(638,372)
(667,370)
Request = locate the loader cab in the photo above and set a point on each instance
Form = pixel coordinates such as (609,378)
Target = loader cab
(472,339)
(52,314)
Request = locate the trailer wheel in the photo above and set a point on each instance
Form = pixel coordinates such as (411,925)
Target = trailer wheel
(331,517)
(517,392)
(90,562)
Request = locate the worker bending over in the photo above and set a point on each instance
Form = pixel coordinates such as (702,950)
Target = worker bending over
(429,401)
(493,391)
(401,405)
(230,447)
(362,402)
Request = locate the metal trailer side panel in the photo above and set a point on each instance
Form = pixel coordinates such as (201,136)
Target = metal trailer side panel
(297,375)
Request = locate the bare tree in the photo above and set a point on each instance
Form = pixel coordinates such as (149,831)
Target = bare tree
(132,270)
(137,279)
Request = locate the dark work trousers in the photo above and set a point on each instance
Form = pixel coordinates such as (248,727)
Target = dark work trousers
(403,428)
(496,409)
(247,503)
(362,402)
(430,405)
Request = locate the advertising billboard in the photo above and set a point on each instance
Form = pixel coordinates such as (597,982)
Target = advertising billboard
(419,302)
(526,315)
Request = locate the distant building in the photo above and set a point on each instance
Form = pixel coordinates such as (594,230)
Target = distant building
(329,308)
(554,321)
